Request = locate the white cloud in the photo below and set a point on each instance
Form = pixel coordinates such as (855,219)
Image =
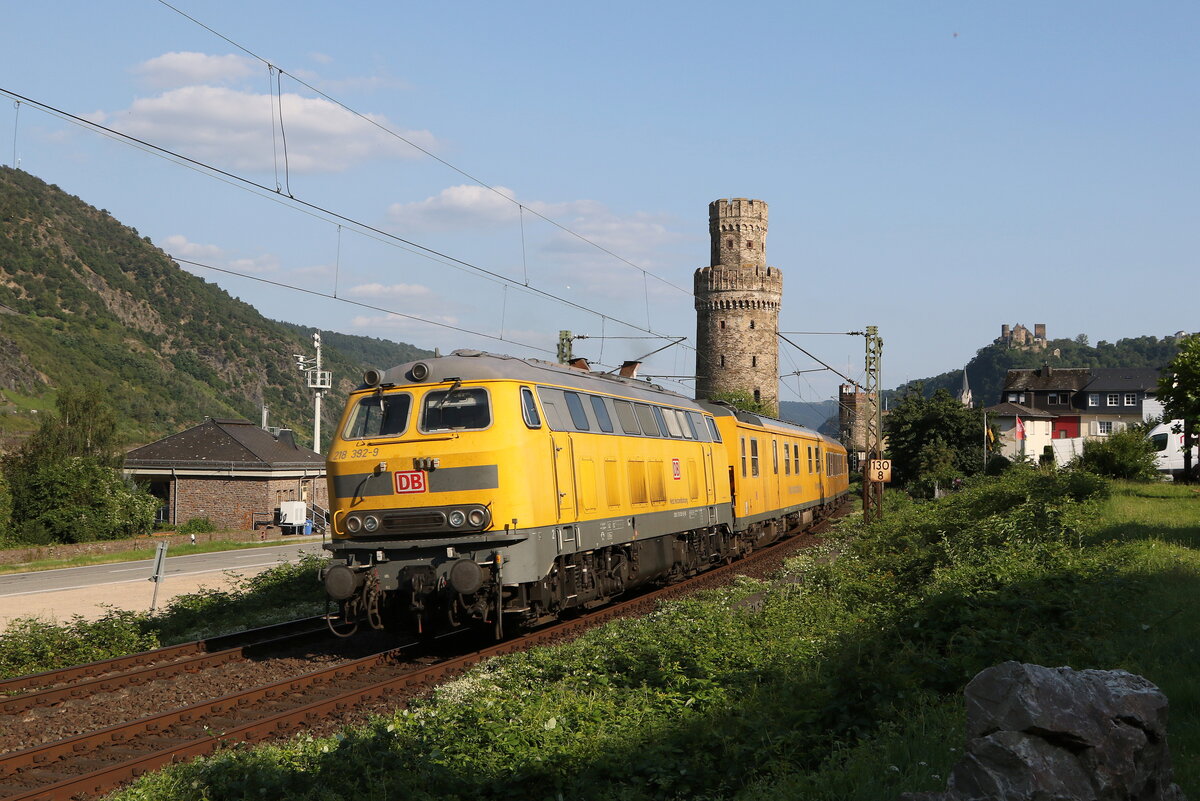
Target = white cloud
(392,291)
(455,206)
(179,245)
(233,129)
(185,69)
(265,263)
(394,322)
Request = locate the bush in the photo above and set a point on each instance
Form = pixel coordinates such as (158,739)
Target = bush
(1126,454)
(197,525)
(81,500)
(6,533)
(32,645)
(285,592)
(997,465)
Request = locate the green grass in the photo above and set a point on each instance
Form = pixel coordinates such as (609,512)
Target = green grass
(285,592)
(148,552)
(846,685)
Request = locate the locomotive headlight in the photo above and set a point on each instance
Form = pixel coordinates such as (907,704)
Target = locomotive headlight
(370,524)
(456,518)
(353,524)
(478,517)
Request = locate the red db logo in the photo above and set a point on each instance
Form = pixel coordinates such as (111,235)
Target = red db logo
(675,472)
(409,481)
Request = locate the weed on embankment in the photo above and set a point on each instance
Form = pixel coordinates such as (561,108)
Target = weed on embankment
(288,591)
(841,680)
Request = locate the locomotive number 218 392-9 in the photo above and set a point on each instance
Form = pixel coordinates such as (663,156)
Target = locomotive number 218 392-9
(356,453)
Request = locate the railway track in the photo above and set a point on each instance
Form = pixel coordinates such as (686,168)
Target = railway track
(94,762)
(55,686)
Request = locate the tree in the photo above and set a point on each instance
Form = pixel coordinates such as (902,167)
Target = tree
(1179,392)
(741,399)
(933,440)
(64,483)
(1126,454)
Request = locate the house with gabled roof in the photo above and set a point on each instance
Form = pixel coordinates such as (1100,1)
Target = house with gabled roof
(232,472)
(1024,431)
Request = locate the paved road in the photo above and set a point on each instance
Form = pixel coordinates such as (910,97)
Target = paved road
(73,578)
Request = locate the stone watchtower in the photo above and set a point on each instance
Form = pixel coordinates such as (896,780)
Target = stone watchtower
(737,306)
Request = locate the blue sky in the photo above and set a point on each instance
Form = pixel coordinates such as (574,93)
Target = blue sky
(936,169)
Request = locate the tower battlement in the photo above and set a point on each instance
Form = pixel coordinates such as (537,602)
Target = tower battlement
(746,278)
(738,232)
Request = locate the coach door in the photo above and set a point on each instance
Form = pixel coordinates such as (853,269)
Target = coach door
(564,474)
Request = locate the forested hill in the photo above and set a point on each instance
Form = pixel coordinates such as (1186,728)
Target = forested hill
(85,299)
(986,371)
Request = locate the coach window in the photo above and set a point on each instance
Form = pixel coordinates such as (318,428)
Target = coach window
(578,415)
(775,455)
(810,465)
(787,459)
(626,417)
(379,416)
(529,409)
(601,411)
(796,459)
(753,456)
(743,440)
(456,410)
(817,459)
(645,416)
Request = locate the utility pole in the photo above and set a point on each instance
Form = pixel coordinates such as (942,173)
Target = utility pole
(319,380)
(873,490)
(565,354)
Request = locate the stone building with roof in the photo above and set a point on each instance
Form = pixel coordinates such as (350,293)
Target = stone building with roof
(230,471)
(1073,404)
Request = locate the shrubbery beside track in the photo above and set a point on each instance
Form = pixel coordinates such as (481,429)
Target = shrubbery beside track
(839,681)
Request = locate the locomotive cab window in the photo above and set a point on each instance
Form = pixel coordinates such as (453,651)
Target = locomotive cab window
(529,409)
(456,410)
(379,416)
(712,429)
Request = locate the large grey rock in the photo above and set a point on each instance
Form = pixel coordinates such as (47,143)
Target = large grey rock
(1057,734)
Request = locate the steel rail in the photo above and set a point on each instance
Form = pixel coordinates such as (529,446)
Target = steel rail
(193,663)
(170,652)
(110,776)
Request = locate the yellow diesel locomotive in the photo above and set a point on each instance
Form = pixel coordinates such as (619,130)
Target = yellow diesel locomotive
(484,489)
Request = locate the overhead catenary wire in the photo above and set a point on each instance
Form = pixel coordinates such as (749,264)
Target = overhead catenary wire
(425,151)
(360,304)
(318,211)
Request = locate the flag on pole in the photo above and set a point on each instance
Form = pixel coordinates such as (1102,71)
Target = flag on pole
(1020,429)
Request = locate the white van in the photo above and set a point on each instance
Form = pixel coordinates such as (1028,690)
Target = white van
(1168,442)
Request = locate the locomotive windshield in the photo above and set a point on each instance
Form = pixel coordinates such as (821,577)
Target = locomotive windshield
(379,416)
(457,409)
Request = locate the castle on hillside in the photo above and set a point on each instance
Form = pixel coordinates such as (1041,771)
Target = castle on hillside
(737,306)
(1018,336)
